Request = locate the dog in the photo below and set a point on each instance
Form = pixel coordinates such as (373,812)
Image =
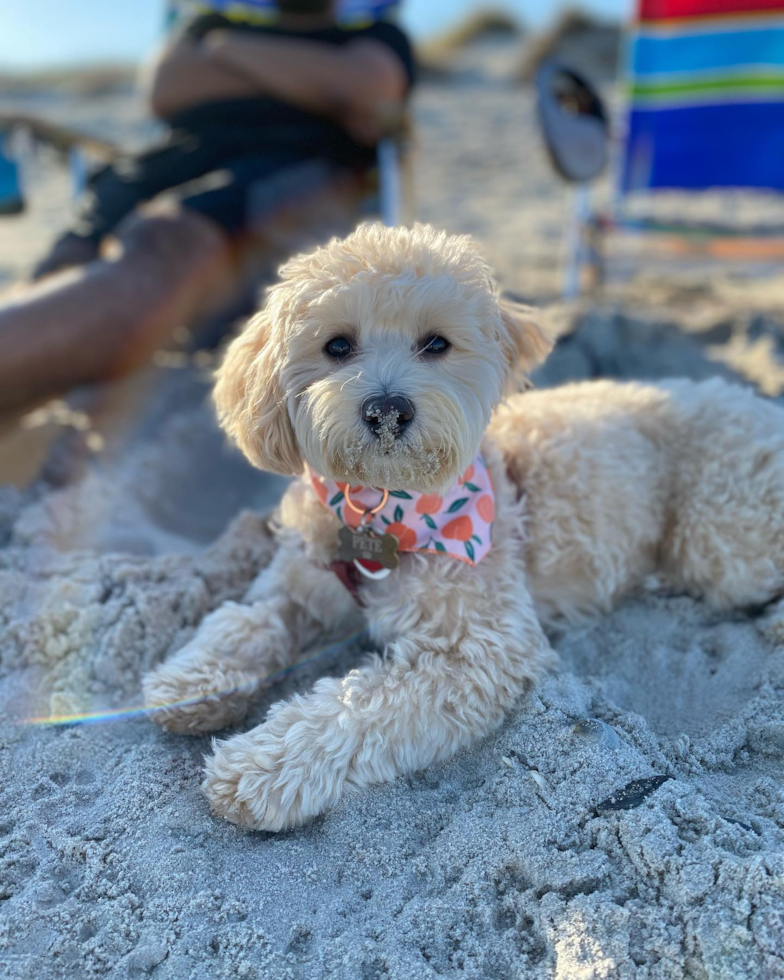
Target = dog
(451,515)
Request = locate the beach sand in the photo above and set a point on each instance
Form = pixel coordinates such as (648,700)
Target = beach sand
(500,864)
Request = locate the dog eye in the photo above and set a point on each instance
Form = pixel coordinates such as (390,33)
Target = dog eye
(435,345)
(338,347)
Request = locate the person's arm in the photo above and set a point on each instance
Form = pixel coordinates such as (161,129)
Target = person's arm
(345,83)
(185,74)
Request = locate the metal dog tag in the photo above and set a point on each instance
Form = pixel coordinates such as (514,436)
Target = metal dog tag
(365,545)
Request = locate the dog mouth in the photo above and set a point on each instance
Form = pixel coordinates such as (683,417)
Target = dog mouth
(393,463)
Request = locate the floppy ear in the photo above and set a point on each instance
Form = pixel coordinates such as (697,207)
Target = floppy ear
(523,340)
(250,403)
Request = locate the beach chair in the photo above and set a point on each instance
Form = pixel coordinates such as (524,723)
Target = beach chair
(705,111)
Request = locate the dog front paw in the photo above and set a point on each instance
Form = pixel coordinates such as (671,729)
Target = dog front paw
(275,777)
(190,699)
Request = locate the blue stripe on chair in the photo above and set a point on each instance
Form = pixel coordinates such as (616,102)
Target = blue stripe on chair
(731,145)
(709,51)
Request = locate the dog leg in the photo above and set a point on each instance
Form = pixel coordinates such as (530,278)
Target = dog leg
(421,703)
(211,682)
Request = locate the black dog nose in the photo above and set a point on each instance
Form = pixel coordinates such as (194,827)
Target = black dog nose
(387,413)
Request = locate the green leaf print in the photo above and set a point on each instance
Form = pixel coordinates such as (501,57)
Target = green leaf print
(440,547)
(401,494)
(398,513)
(430,522)
(472,487)
(336,499)
(385,520)
(475,538)
(457,505)
(470,550)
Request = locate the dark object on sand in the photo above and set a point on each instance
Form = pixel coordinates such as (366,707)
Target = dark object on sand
(632,794)
(740,823)
(11,198)
(573,121)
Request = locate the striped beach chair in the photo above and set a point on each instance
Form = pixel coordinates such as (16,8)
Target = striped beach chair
(705,111)
(707,96)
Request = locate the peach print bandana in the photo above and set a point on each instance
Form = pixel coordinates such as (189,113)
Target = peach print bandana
(457,523)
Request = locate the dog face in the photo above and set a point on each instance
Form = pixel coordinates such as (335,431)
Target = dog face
(377,359)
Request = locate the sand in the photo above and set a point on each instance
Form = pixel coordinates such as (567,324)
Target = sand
(500,864)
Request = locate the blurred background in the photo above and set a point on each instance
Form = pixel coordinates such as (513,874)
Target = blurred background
(46,34)
(476,162)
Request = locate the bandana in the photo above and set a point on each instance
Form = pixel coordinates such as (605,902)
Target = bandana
(458,523)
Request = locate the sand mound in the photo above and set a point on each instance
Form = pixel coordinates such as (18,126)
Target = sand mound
(581,42)
(485,44)
(505,862)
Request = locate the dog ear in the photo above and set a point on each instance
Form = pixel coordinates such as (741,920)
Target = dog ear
(250,401)
(523,340)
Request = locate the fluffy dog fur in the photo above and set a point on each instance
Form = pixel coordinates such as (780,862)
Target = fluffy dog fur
(598,486)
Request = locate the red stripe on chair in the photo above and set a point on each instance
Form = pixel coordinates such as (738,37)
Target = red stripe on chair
(673,9)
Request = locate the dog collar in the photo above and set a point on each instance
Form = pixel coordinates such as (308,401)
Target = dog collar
(457,523)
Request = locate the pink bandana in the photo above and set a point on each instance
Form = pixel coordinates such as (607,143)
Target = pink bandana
(458,523)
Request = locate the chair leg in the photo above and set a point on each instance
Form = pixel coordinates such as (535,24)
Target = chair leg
(595,257)
(575,242)
(389,181)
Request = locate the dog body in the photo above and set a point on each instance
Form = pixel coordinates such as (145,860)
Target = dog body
(386,361)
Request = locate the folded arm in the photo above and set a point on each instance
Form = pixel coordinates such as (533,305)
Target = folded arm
(344,83)
(185,75)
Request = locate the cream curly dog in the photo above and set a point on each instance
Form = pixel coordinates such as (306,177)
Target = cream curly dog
(387,361)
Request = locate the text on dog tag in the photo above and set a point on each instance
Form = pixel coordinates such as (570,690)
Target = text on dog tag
(368,546)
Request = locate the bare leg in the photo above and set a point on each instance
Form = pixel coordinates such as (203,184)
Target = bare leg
(239,646)
(93,323)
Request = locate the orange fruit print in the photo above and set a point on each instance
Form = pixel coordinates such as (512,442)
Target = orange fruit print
(429,503)
(405,535)
(461,529)
(486,509)
(351,517)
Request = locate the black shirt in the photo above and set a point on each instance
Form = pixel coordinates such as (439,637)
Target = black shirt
(269,124)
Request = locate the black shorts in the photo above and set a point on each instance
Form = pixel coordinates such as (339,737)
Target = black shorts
(231,185)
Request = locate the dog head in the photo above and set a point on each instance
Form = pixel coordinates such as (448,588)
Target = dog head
(377,359)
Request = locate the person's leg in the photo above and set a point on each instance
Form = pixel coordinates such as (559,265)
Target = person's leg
(86,325)
(107,318)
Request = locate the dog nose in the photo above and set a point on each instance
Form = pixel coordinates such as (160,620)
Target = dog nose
(387,413)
